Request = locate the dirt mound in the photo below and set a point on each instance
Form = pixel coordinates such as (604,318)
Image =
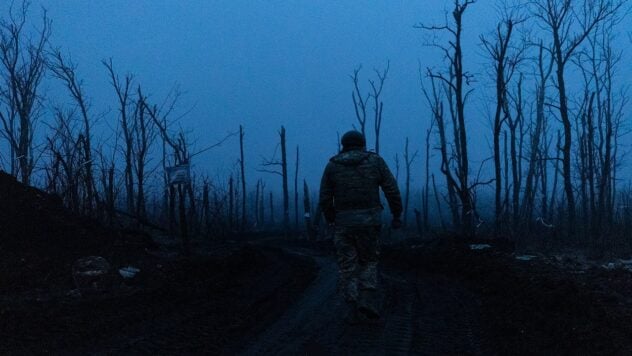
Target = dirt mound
(40,239)
(173,305)
(530,307)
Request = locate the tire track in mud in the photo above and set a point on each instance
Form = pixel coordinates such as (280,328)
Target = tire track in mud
(399,332)
(427,315)
(448,318)
(395,333)
(314,314)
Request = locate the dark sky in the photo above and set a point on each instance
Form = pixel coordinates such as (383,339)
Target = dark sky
(267,63)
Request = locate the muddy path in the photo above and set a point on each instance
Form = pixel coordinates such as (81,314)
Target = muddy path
(421,315)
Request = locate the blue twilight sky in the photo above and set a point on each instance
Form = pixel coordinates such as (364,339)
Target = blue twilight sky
(267,63)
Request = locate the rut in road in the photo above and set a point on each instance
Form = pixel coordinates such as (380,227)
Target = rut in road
(421,315)
(316,312)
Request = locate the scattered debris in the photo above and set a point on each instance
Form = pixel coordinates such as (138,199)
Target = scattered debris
(91,274)
(626,262)
(526,257)
(128,272)
(619,264)
(479,246)
(75,293)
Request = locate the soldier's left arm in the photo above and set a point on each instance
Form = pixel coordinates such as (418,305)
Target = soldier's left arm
(390,188)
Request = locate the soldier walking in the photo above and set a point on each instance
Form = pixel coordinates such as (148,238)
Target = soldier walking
(350,200)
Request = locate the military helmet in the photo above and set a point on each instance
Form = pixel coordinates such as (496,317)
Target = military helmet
(353,139)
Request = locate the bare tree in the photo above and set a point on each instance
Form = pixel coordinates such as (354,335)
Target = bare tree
(408,161)
(108,185)
(435,101)
(256,203)
(515,121)
(180,148)
(296,190)
(144,134)
(505,59)
(65,71)
(454,83)
(231,202)
(359,102)
(569,24)
(597,131)
(538,156)
(243,177)
(123,89)
(426,189)
(378,105)
(64,146)
(279,167)
(309,226)
(206,206)
(271,201)
(23,64)
(262,217)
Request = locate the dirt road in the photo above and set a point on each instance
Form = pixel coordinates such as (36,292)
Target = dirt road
(422,315)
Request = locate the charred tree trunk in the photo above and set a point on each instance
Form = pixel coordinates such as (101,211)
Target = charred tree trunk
(122,90)
(231,197)
(559,19)
(378,104)
(271,209)
(426,190)
(311,232)
(286,197)
(206,208)
(408,161)
(296,191)
(23,63)
(262,216)
(243,178)
(65,71)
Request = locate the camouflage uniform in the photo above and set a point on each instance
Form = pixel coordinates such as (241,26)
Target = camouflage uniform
(349,197)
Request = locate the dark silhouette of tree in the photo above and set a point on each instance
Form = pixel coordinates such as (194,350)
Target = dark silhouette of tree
(296,190)
(123,89)
(23,61)
(505,58)
(360,102)
(408,161)
(279,167)
(65,71)
(569,24)
(243,178)
(454,81)
(378,105)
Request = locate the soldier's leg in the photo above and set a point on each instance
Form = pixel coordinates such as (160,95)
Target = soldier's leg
(347,264)
(368,255)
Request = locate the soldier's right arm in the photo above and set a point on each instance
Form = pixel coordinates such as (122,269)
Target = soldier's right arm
(326,198)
